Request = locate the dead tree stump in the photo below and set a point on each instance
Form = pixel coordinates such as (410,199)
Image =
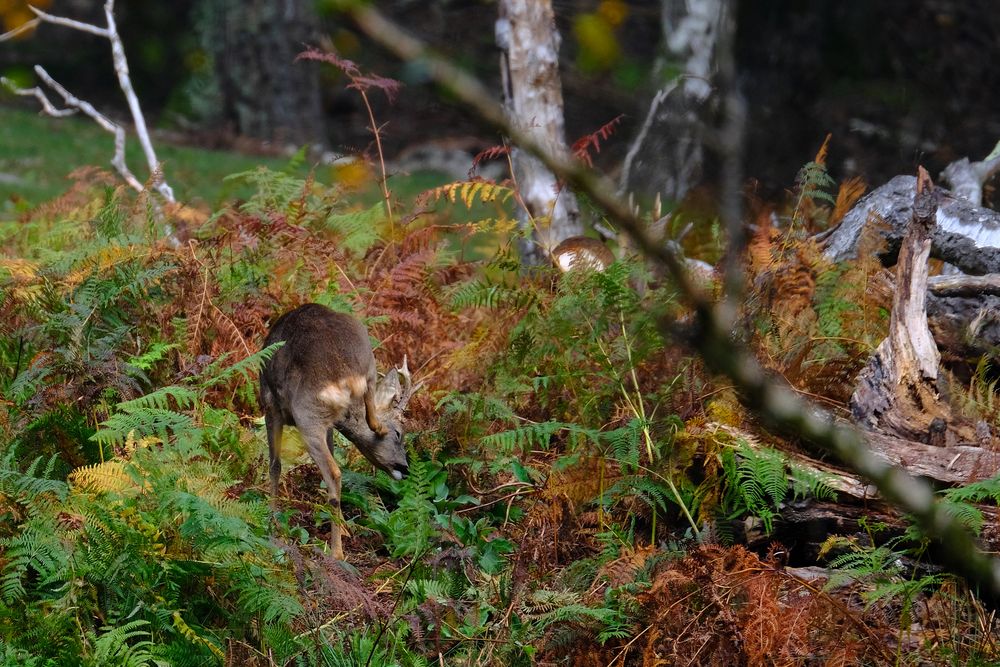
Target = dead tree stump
(897,391)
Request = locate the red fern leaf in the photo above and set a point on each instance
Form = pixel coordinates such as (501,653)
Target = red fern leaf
(359,80)
(348,67)
(491,153)
(582,147)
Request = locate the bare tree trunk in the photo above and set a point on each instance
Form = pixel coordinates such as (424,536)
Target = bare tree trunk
(527,36)
(667,154)
(262,90)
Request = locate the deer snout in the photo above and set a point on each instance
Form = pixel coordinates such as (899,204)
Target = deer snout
(399,471)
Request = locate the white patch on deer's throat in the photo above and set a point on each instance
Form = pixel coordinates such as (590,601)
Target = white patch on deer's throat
(341,394)
(396,475)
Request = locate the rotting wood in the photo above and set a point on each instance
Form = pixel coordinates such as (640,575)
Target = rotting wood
(897,390)
(946,466)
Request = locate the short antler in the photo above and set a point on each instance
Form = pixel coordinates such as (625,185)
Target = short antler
(408,389)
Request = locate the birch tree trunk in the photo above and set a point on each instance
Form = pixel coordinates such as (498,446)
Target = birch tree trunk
(667,154)
(529,66)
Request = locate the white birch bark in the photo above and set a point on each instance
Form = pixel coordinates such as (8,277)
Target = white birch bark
(668,152)
(527,36)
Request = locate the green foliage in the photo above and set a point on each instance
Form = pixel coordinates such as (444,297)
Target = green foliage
(813,181)
(543,486)
(959,501)
(359,230)
(757,481)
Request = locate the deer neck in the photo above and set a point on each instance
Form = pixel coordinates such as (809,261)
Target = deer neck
(354,427)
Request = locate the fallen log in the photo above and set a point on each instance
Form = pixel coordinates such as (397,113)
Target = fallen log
(966,236)
(804,525)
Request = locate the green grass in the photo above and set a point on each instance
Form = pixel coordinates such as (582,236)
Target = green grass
(37,154)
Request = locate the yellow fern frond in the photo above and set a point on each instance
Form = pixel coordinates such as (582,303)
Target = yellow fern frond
(821,153)
(104,259)
(25,285)
(848,195)
(470,192)
(20,270)
(109,476)
(189,633)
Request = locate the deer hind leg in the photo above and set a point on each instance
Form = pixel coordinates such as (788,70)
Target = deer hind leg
(315,436)
(371,414)
(274,425)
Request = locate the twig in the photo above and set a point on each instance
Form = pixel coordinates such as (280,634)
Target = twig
(110,32)
(70,23)
(23,28)
(118,160)
(39,94)
(774,402)
(125,83)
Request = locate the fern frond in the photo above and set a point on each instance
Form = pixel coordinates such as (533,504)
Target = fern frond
(110,476)
(482,293)
(183,398)
(984,489)
(581,147)
(142,422)
(359,230)
(192,635)
(217,373)
(33,488)
(156,352)
(533,436)
(470,192)
(120,646)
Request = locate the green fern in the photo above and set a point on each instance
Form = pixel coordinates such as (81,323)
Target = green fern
(484,293)
(358,230)
(33,488)
(274,190)
(532,436)
(127,645)
(756,483)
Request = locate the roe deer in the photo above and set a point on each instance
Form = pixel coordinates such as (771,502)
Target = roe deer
(324,378)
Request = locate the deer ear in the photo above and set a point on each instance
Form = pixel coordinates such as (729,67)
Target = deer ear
(387,390)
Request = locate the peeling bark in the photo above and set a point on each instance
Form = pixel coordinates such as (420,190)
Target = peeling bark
(966,236)
(529,42)
(668,152)
(897,391)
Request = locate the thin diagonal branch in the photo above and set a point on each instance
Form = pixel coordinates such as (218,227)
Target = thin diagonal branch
(20,30)
(70,23)
(110,32)
(138,119)
(39,94)
(75,103)
(772,401)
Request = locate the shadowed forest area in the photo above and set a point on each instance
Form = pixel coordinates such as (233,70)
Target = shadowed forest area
(682,318)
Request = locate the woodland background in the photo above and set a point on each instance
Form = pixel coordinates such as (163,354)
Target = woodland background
(583,489)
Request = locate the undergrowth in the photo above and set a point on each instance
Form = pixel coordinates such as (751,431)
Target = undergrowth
(577,483)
